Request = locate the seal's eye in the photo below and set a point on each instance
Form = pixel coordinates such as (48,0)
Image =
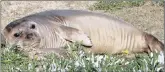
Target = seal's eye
(32,26)
(17,34)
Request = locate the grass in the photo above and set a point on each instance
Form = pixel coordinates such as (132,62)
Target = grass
(14,61)
(114,5)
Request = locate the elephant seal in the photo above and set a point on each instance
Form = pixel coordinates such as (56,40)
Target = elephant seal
(99,33)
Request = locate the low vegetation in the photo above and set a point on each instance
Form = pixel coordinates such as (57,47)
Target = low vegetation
(113,5)
(13,60)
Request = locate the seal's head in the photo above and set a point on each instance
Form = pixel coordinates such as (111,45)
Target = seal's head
(23,33)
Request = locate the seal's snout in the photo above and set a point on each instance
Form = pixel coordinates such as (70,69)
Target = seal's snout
(29,36)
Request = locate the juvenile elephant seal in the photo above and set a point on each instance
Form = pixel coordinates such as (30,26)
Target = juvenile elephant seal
(100,33)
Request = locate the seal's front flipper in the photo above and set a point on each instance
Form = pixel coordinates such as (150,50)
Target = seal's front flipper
(75,35)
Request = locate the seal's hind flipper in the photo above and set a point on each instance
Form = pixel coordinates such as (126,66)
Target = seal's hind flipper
(154,44)
(75,35)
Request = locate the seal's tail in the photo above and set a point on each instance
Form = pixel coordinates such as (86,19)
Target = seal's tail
(153,43)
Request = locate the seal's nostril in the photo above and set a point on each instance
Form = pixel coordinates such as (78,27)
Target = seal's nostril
(32,26)
(29,36)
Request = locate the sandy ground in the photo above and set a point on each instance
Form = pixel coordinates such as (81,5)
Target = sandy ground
(147,18)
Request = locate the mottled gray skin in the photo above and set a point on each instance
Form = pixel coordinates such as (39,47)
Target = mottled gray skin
(101,33)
